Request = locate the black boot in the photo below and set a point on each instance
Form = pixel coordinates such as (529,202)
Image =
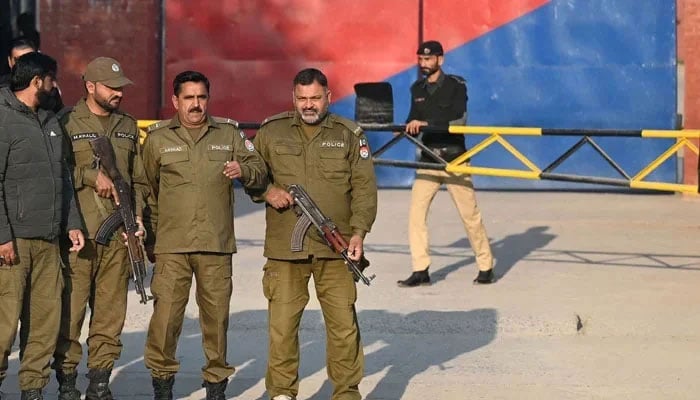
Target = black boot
(484,277)
(417,278)
(32,394)
(66,385)
(163,388)
(215,391)
(98,389)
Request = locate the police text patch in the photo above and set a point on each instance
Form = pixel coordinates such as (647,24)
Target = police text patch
(126,135)
(83,136)
(221,147)
(332,144)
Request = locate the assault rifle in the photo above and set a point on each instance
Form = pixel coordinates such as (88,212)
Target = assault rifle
(309,213)
(124,215)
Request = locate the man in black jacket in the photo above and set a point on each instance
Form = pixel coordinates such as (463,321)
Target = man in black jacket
(37,204)
(440,100)
(20,46)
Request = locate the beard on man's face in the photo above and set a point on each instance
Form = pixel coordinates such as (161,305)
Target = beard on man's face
(429,71)
(313,116)
(109,105)
(46,100)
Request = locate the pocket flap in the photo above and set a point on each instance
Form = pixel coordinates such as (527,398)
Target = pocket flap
(173,157)
(215,155)
(289,150)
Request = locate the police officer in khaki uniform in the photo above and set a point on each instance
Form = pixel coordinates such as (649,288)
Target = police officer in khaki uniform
(98,275)
(329,156)
(36,204)
(190,162)
(440,100)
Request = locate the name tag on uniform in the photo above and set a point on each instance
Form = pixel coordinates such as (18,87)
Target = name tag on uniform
(126,135)
(83,136)
(220,147)
(172,149)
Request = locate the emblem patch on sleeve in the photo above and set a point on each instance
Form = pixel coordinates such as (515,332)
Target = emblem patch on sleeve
(364,148)
(249,145)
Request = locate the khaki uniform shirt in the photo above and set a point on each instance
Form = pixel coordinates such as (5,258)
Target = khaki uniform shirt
(81,126)
(335,168)
(192,202)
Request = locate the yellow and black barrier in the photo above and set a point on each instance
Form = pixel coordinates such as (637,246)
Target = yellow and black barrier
(498,134)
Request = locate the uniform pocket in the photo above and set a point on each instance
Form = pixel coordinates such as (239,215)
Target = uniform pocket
(83,153)
(268,281)
(175,169)
(335,165)
(217,159)
(287,161)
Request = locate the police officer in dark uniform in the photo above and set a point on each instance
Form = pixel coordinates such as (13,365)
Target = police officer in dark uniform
(440,100)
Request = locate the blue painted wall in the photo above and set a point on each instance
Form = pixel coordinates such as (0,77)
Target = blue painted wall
(569,64)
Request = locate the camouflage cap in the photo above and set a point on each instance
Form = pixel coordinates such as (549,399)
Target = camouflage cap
(430,48)
(106,71)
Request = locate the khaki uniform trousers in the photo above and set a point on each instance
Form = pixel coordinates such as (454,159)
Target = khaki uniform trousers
(30,293)
(285,285)
(99,276)
(461,190)
(172,279)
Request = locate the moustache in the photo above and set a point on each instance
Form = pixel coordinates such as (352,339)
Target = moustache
(195,109)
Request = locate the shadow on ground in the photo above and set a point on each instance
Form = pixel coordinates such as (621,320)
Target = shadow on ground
(398,347)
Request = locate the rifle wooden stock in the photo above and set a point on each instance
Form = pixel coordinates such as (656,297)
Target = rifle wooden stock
(123,216)
(309,213)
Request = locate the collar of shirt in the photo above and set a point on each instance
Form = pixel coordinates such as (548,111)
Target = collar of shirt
(433,86)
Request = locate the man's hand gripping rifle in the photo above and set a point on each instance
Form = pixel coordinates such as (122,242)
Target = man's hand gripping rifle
(124,215)
(308,214)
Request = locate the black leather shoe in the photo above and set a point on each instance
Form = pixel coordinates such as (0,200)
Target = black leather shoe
(484,277)
(66,385)
(417,278)
(163,388)
(98,388)
(215,390)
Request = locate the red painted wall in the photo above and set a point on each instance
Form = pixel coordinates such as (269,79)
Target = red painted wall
(251,50)
(75,32)
(689,54)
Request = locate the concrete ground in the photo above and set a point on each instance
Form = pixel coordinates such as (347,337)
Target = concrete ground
(597,298)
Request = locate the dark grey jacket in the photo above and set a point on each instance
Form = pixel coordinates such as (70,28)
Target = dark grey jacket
(36,196)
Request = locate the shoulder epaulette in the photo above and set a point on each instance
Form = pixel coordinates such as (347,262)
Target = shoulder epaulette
(126,114)
(458,79)
(282,115)
(418,83)
(157,125)
(350,124)
(63,112)
(223,120)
